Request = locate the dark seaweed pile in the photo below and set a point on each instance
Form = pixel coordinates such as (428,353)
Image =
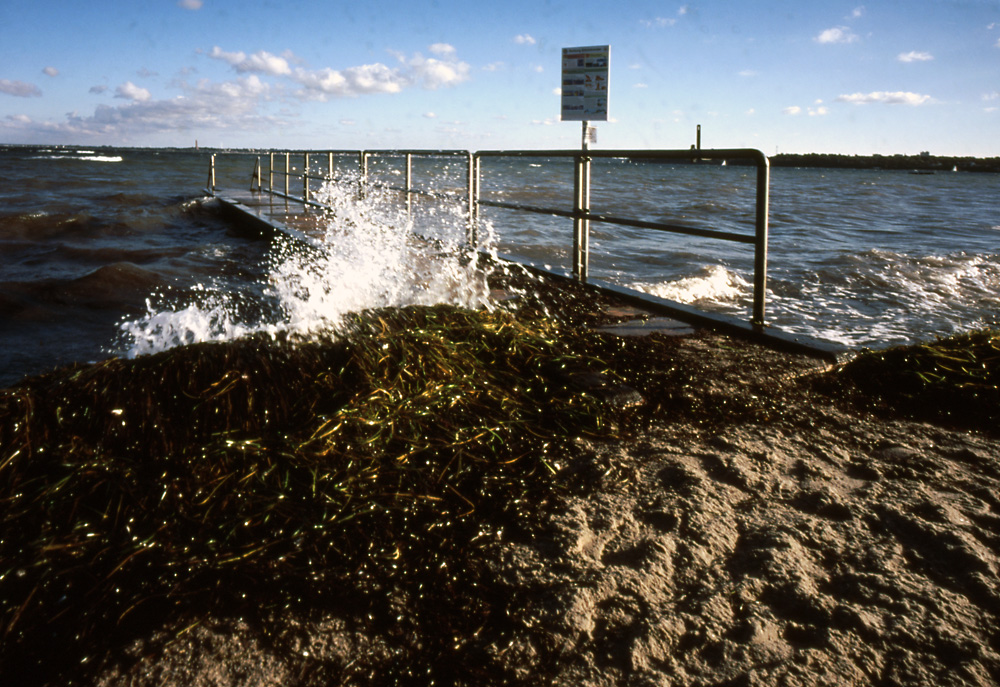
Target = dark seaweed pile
(954,381)
(252,474)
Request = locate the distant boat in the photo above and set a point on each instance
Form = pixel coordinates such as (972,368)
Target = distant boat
(955,168)
(723,163)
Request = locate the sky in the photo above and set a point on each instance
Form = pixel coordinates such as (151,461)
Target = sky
(878,77)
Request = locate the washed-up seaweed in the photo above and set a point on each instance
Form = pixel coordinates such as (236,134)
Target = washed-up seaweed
(251,474)
(953,380)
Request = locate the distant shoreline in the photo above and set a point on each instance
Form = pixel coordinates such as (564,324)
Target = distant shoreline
(917,163)
(922,162)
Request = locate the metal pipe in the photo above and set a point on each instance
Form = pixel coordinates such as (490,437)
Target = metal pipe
(476,174)
(760,242)
(270,173)
(288,170)
(581,225)
(363,178)
(470,198)
(409,178)
(305,176)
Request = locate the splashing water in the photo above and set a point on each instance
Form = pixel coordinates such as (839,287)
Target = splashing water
(369,255)
(713,283)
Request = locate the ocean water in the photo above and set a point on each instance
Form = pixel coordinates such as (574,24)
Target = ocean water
(120,252)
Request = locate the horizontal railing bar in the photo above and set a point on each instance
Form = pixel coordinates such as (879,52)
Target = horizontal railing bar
(418,192)
(672,228)
(528,208)
(623,221)
(696,154)
(299,199)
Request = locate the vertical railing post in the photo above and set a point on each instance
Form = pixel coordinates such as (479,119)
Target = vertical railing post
(329,167)
(760,241)
(256,177)
(409,185)
(363,173)
(288,170)
(581,225)
(470,196)
(474,201)
(211,174)
(270,173)
(305,177)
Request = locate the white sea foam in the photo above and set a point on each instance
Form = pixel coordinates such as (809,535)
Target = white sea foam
(367,257)
(712,283)
(90,158)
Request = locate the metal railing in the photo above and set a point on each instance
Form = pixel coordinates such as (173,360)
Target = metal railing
(581,211)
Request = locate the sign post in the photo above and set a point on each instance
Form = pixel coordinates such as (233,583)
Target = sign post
(585,87)
(584,98)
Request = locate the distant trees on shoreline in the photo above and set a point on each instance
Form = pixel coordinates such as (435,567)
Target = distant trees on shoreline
(920,163)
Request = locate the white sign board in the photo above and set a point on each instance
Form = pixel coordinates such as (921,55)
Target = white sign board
(585,83)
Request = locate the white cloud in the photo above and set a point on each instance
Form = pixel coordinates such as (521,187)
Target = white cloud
(640,85)
(998,43)
(494,67)
(886,98)
(203,106)
(430,115)
(434,74)
(658,22)
(129,91)
(235,105)
(795,110)
(557,91)
(538,68)
(261,62)
(190,4)
(19,89)
(442,49)
(524,39)
(365,79)
(838,34)
(661,22)
(748,73)
(549,121)
(858,12)
(914,56)
(348,122)
(995,95)
(19,118)
(50,71)
(321,84)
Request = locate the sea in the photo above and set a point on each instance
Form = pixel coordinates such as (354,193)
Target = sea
(121,252)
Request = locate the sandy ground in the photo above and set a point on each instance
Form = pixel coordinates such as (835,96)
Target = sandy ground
(752,530)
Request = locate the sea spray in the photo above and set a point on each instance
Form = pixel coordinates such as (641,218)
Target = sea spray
(367,254)
(713,284)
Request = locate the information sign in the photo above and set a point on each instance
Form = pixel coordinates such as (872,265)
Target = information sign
(585,83)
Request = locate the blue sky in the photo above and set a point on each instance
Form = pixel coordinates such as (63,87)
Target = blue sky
(859,78)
